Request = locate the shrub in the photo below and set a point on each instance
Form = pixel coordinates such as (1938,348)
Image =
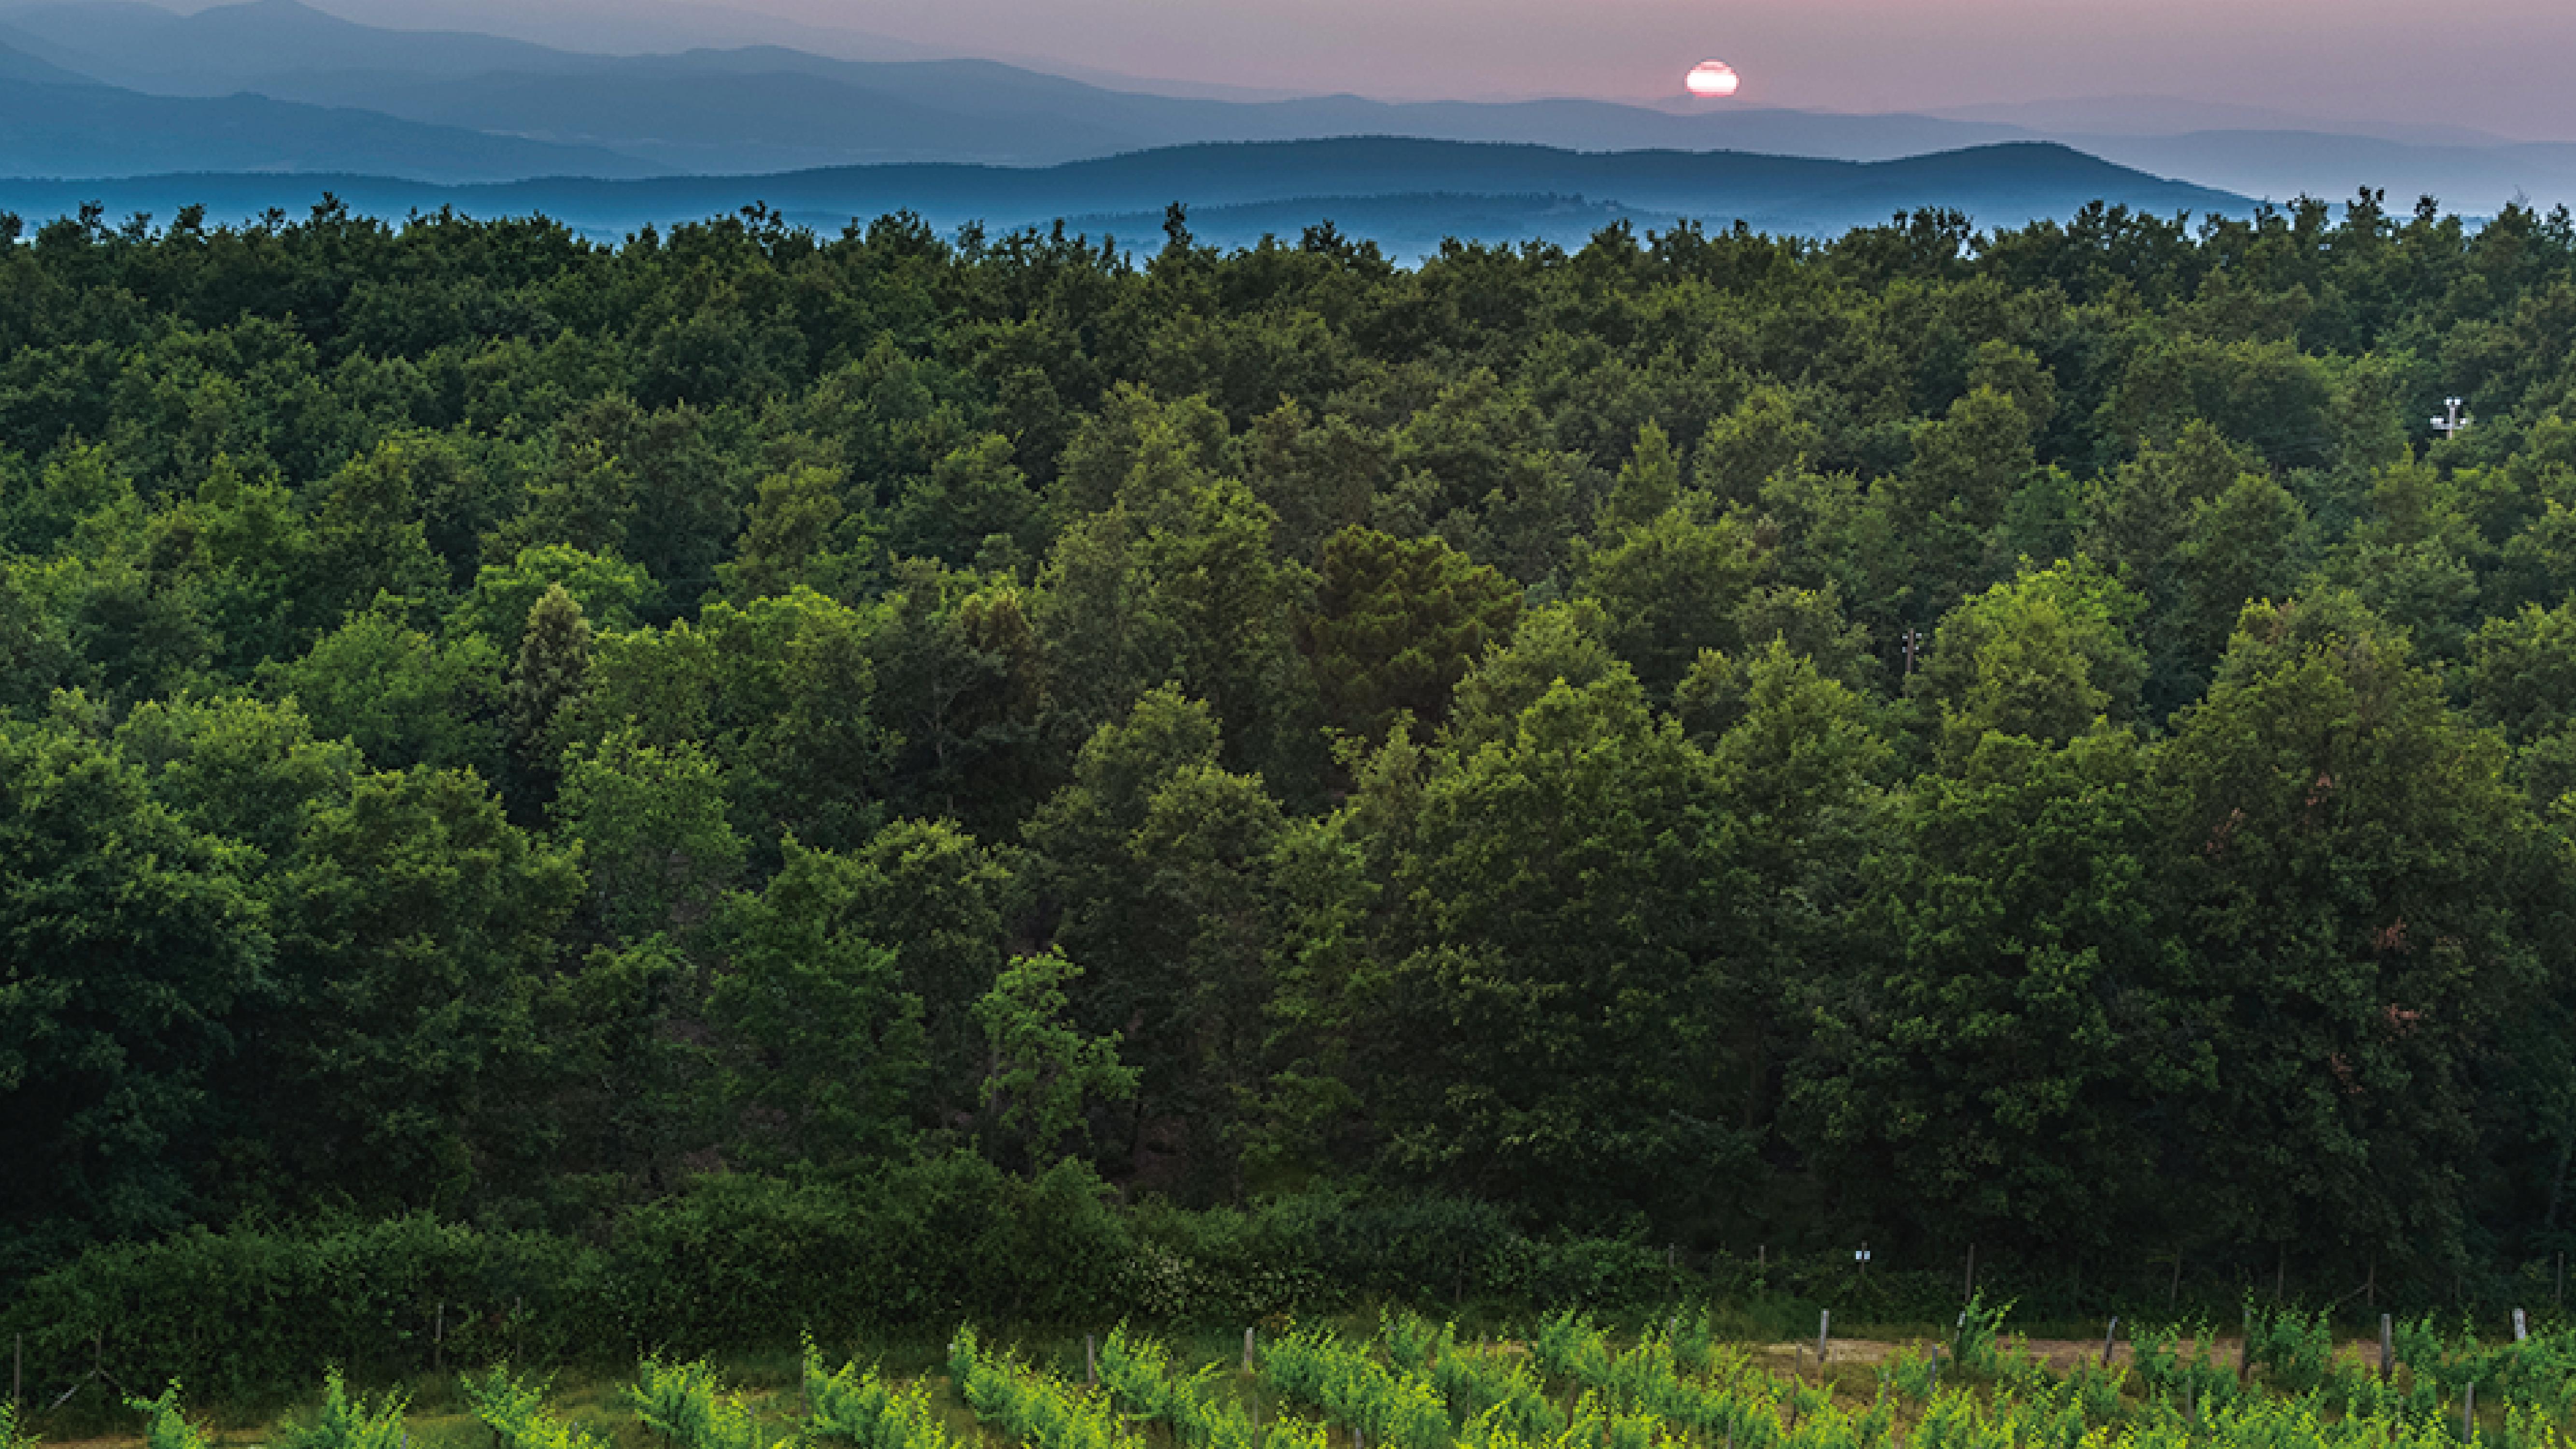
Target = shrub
(347,1423)
(249,1311)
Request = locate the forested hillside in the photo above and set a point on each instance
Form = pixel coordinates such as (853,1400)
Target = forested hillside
(2024,740)
(1409,196)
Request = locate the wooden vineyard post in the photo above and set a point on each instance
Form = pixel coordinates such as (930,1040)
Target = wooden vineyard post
(2521,1326)
(1090,1362)
(2108,1335)
(2387,1346)
(1247,1350)
(2469,1413)
(438,1341)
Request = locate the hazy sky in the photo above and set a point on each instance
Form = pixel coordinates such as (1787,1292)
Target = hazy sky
(2497,64)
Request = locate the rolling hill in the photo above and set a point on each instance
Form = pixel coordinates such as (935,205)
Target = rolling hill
(2282,164)
(769,108)
(232,47)
(16,65)
(79,128)
(1404,191)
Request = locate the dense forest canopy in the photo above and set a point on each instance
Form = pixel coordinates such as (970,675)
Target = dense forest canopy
(2025,739)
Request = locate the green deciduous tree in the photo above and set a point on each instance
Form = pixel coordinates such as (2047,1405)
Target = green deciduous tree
(414,924)
(800,535)
(651,823)
(973,495)
(368,535)
(1764,437)
(1669,588)
(1395,625)
(610,592)
(129,946)
(824,1049)
(938,897)
(2522,672)
(1555,981)
(2245,545)
(2021,1065)
(2357,875)
(242,768)
(1477,467)
(1317,474)
(2045,657)
(1155,863)
(780,692)
(647,486)
(1045,1076)
(961,679)
(1649,485)
(1967,469)
(402,697)
(1799,771)
(2264,394)
(1174,582)
(1560,643)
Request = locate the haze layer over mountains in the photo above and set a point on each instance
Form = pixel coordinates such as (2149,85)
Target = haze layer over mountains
(274,96)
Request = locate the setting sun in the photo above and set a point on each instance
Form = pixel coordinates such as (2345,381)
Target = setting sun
(1713,80)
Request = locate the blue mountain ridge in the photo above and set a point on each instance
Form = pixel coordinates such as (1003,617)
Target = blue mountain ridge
(17,65)
(1419,190)
(80,128)
(758,109)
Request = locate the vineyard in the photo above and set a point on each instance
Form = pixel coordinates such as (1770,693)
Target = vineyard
(2280,1383)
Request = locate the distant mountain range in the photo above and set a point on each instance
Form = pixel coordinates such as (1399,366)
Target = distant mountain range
(56,126)
(2279,165)
(243,46)
(123,96)
(625,27)
(1407,193)
(2173,116)
(768,108)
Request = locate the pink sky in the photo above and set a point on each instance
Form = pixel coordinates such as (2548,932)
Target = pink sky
(2495,64)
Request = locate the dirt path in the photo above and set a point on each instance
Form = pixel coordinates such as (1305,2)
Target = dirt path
(2060,1354)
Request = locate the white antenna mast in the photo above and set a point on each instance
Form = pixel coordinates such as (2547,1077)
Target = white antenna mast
(2453,421)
